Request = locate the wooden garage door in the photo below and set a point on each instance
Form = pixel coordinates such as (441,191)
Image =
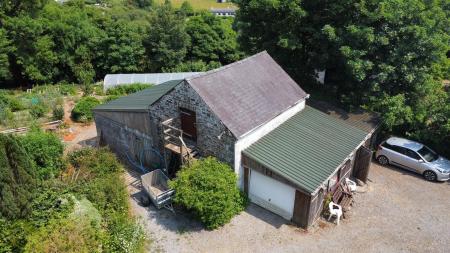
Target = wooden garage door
(272,195)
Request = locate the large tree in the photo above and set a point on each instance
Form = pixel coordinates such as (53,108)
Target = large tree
(17,7)
(167,41)
(121,50)
(5,48)
(212,39)
(56,45)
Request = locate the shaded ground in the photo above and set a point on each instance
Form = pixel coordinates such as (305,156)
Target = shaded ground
(400,212)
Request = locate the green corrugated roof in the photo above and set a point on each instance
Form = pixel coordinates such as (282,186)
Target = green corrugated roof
(307,148)
(139,101)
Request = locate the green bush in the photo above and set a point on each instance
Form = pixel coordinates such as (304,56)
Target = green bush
(17,179)
(98,89)
(87,89)
(208,188)
(82,112)
(12,102)
(67,89)
(127,89)
(51,201)
(58,113)
(110,98)
(13,235)
(125,235)
(99,178)
(38,110)
(98,161)
(46,150)
(65,235)
(6,115)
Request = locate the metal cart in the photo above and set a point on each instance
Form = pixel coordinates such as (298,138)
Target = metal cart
(155,185)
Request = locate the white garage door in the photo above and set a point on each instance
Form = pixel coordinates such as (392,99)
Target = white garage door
(271,194)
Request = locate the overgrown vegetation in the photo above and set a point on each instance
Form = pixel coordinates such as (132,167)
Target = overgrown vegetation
(46,150)
(208,188)
(123,90)
(97,177)
(82,208)
(82,112)
(42,104)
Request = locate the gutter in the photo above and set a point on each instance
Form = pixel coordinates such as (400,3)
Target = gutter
(262,124)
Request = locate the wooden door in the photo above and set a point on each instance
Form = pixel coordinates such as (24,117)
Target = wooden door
(188,123)
(362,164)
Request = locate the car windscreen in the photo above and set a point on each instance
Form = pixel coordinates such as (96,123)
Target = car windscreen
(428,154)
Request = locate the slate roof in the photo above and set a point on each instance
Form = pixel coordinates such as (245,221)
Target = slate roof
(307,148)
(247,93)
(139,101)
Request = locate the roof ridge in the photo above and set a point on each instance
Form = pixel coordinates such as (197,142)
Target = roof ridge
(224,67)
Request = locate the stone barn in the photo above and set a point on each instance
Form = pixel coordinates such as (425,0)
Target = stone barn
(287,154)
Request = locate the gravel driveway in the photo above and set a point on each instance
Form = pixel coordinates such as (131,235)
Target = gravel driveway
(400,212)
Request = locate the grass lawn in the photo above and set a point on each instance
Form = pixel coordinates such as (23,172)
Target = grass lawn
(200,4)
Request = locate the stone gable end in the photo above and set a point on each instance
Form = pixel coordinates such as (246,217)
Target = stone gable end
(213,137)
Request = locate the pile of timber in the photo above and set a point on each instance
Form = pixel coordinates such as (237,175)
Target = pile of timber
(47,126)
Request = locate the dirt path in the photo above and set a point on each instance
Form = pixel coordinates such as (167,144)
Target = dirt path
(78,134)
(400,213)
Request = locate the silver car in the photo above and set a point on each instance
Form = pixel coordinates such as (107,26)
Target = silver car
(415,157)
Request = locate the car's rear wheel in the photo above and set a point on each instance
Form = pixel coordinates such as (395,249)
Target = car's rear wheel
(383,160)
(429,175)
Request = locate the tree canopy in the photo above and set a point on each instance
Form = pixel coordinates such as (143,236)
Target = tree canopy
(44,42)
(389,56)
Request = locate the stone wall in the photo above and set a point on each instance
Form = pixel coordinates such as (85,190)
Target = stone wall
(213,138)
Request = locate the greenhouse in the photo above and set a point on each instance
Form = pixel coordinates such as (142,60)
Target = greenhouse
(112,80)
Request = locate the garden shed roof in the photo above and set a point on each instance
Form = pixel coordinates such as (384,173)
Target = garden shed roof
(139,101)
(307,148)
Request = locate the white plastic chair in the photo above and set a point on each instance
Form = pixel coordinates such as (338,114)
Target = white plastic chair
(335,210)
(351,185)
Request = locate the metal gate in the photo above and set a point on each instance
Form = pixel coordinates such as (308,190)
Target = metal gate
(362,164)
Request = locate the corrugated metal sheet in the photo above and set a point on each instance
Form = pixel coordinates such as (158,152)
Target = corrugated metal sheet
(139,101)
(248,93)
(307,148)
(112,80)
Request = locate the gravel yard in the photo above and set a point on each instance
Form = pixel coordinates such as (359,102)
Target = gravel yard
(400,212)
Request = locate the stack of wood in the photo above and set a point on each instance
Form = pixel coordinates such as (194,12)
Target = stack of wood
(49,126)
